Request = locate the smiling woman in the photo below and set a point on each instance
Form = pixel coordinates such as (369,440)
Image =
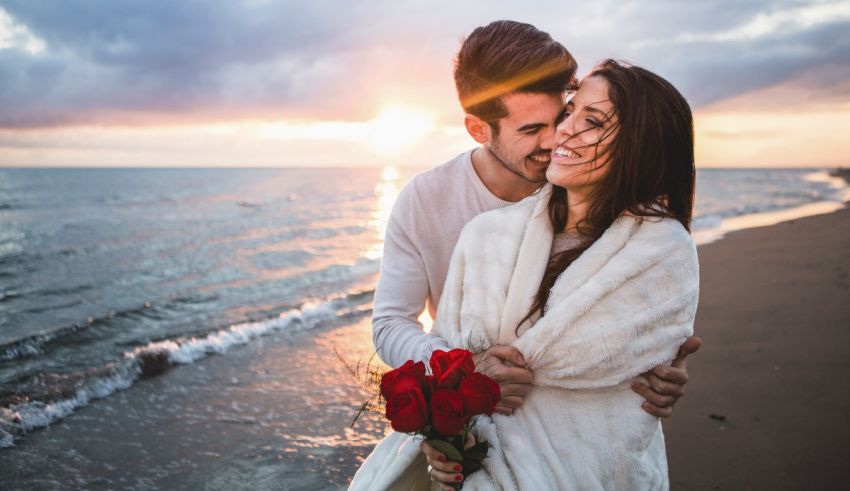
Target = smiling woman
(397,127)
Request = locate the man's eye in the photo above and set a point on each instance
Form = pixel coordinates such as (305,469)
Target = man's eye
(561,117)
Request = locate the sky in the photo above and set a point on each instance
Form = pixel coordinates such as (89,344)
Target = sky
(339,83)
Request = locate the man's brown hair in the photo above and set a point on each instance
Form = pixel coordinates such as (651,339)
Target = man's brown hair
(505,57)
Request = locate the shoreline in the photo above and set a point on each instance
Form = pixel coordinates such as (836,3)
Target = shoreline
(839,179)
(766,407)
(153,356)
(756,283)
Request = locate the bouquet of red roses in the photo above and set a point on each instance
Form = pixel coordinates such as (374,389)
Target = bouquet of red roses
(441,406)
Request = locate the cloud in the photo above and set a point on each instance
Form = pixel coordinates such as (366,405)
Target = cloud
(127,62)
(771,48)
(16,36)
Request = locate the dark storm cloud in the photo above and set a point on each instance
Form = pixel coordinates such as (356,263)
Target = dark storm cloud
(121,60)
(711,71)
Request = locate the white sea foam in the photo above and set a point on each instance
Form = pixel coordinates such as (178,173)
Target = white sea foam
(6,439)
(838,183)
(23,417)
(718,227)
(25,348)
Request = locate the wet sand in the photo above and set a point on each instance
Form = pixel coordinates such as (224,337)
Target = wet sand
(767,407)
(272,414)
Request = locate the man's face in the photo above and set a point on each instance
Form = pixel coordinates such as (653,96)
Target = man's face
(526,135)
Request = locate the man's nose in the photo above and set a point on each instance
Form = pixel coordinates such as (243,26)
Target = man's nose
(548,137)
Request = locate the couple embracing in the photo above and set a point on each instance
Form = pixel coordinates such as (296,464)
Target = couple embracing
(558,251)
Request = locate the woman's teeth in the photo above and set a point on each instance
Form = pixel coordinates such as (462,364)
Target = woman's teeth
(566,152)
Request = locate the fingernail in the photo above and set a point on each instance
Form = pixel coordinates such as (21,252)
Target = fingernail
(442,458)
(458,468)
(458,477)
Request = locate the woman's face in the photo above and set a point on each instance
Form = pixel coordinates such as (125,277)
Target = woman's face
(580,157)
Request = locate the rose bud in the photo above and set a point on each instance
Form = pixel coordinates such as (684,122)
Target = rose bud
(450,367)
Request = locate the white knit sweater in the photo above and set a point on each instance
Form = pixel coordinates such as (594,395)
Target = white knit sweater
(622,308)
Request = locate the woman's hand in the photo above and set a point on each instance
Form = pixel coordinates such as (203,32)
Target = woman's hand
(442,471)
(664,385)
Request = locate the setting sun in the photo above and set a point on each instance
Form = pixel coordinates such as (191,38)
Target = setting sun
(397,127)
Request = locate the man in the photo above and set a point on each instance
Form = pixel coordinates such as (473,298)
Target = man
(511,79)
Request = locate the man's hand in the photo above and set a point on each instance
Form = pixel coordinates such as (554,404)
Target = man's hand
(663,386)
(508,368)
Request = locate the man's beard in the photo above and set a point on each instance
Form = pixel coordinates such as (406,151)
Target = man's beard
(494,151)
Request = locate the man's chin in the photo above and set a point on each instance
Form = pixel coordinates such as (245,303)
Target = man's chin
(537,174)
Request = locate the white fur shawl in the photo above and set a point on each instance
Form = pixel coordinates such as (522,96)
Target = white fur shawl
(624,306)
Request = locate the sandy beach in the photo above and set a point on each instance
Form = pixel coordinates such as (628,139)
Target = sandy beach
(768,404)
(766,409)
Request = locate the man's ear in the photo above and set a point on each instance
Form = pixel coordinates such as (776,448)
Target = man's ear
(478,129)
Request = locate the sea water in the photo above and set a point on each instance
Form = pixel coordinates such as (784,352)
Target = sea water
(108,275)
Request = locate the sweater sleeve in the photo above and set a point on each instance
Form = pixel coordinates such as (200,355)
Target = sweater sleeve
(401,294)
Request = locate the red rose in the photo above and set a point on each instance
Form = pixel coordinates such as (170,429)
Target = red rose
(409,369)
(480,394)
(447,410)
(407,410)
(404,390)
(429,385)
(450,367)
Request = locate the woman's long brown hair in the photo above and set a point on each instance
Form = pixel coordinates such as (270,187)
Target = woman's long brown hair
(650,171)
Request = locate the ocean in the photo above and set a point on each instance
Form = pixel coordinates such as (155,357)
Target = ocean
(110,276)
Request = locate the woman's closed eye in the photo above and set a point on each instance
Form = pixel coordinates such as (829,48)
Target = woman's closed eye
(594,122)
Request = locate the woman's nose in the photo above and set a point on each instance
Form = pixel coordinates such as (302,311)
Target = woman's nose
(565,128)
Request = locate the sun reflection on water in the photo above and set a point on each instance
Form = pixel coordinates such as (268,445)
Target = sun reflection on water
(386,191)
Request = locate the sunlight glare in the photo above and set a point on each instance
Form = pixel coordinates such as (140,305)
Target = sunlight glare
(386,192)
(397,127)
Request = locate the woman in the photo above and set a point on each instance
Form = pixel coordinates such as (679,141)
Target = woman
(594,280)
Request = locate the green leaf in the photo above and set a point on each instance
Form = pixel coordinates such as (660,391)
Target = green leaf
(475,455)
(480,447)
(448,450)
(470,466)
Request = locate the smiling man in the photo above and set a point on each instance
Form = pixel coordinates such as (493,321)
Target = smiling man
(511,79)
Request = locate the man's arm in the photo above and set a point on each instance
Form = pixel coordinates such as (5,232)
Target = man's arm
(401,295)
